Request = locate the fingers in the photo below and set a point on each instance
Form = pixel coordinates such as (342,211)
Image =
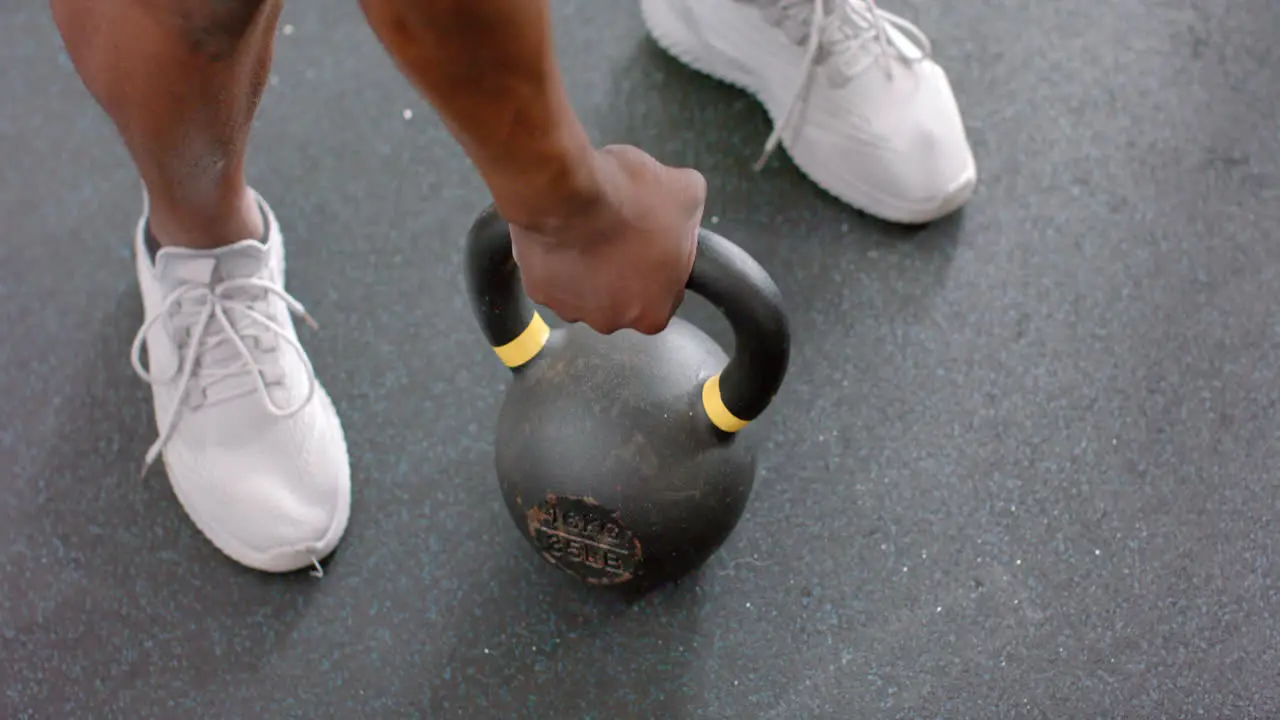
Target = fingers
(604,317)
(607,319)
(646,322)
(652,323)
(694,191)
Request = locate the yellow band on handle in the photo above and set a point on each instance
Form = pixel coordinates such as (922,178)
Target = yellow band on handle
(716,410)
(527,344)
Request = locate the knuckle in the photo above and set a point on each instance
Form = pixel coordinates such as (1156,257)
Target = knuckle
(622,150)
(651,325)
(602,322)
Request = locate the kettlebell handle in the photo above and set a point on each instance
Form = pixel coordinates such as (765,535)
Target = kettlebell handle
(723,274)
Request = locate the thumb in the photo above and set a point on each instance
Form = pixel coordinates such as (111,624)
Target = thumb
(692,189)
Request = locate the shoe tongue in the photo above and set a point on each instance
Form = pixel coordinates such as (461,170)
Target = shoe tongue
(854,14)
(243,259)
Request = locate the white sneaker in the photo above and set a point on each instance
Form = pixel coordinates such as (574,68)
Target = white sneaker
(854,95)
(251,441)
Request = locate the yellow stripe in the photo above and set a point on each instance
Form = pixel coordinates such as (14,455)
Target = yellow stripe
(527,345)
(713,403)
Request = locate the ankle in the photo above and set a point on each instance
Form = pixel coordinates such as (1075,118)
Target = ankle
(208,225)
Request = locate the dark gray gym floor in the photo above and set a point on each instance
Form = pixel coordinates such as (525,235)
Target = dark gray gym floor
(1024,464)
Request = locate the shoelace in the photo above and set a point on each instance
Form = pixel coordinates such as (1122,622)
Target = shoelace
(842,34)
(206,339)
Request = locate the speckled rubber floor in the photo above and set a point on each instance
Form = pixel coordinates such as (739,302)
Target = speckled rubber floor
(1024,465)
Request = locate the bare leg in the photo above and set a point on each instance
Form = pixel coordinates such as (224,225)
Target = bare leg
(251,442)
(181,80)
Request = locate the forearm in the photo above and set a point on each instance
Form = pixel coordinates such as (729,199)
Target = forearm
(489,69)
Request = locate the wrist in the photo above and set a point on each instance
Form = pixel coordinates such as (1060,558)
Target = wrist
(561,184)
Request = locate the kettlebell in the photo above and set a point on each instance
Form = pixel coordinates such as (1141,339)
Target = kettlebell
(620,457)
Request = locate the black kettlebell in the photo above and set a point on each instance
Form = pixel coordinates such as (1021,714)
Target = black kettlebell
(619,456)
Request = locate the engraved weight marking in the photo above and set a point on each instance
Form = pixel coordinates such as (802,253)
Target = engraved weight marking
(613,563)
(584,541)
(604,557)
(584,537)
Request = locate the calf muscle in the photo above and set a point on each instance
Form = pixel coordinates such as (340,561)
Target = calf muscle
(181,80)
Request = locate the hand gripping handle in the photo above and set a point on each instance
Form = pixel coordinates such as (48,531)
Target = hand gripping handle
(723,274)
